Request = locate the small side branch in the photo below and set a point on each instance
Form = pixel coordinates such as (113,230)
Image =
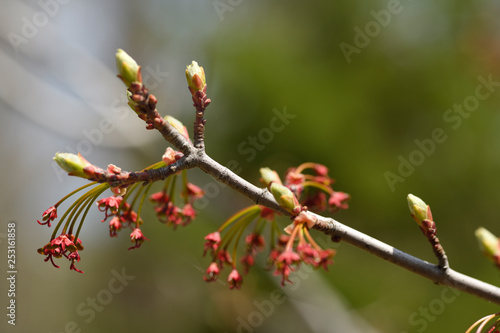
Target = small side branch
(421,213)
(439,252)
(435,273)
(145,107)
(197,84)
(124,178)
(199,130)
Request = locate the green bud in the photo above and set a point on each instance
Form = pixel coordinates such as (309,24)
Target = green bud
(128,70)
(72,164)
(177,125)
(419,210)
(269,176)
(488,243)
(285,198)
(195,76)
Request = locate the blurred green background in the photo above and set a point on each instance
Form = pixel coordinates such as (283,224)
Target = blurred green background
(365,82)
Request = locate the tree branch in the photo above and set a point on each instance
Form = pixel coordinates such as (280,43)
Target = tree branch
(222,174)
(338,231)
(194,156)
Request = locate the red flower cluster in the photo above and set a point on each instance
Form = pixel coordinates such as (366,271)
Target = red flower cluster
(220,257)
(286,256)
(123,217)
(64,245)
(120,213)
(287,259)
(254,243)
(170,214)
(315,190)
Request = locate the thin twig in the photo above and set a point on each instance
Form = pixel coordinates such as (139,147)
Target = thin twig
(435,273)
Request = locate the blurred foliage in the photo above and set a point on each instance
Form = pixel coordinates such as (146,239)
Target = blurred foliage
(357,117)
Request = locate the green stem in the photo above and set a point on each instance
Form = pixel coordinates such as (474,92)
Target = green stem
(243,225)
(71,193)
(85,200)
(139,210)
(303,166)
(238,215)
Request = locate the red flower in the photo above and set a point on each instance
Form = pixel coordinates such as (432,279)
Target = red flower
(193,191)
(74,256)
(306,219)
(308,254)
(284,264)
(320,169)
(50,253)
(234,279)
(170,214)
(326,258)
(159,197)
(248,261)
(128,217)
(295,181)
(63,241)
(276,250)
(115,225)
(338,200)
(174,216)
(294,177)
(223,257)
(212,242)
(189,213)
(170,156)
(212,272)
(48,216)
(166,211)
(283,240)
(273,256)
(110,204)
(137,237)
(59,247)
(323,180)
(316,202)
(255,242)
